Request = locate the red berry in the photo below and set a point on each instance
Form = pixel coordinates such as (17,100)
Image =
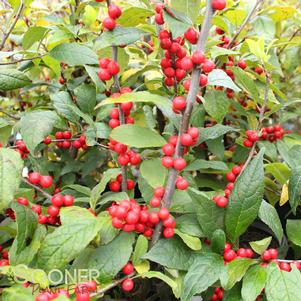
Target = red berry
(182,184)
(219,4)
(46,181)
(191,35)
(42,297)
(187,140)
(164,34)
(229,255)
(169,223)
(154,218)
(179,163)
(247,143)
(159,8)
(47,140)
(169,72)
(82,296)
(34,177)
(103,63)
(208,66)
(114,11)
(231,177)
(168,149)
(180,74)
(249,253)
(258,70)
(53,211)
(67,135)
(166,44)
(164,214)
(203,80)
(117,223)
(167,162)
(194,132)
(236,170)
(128,269)
(123,159)
(135,160)
(266,256)
(219,31)
(127,106)
(155,202)
(168,232)
(242,64)
(127,285)
(62,81)
(221,202)
(169,81)
(115,186)
(179,103)
(159,192)
(273,253)
(148,233)
(76,144)
(159,19)
(22,201)
(198,57)
(104,75)
(36,208)
(186,63)
(132,218)
(57,200)
(109,23)
(120,148)
(242,252)
(285,266)
(68,200)
(42,219)
(113,68)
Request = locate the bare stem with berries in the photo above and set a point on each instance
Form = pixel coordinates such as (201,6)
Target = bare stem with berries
(192,94)
(44,193)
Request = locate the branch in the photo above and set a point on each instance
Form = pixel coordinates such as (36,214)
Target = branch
(291,38)
(116,86)
(13,25)
(194,86)
(44,193)
(21,60)
(245,23)
(10,115)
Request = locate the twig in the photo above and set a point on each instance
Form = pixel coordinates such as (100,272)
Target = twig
(116,86)
(10,115)
(21,60)
(246,21)
(13,25)
(46,194)
(194,86)
(294,34)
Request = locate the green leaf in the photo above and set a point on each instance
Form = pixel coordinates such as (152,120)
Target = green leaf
(204,272)
(281,285)
(201,164)
(293,231)
(107,231)
(284,151)
(209,216)
(111,258)
(234,272)
(162,277)
(74,54)
(253,283)
(11,166)
(264,27)
(27,221)
(64,105)
(245,198)
(171,253)
(246,82)
(33,134)
(119,36)
(216,51)
(86,98)
(216,105)
(192,242)
(176,25)
(261,245)
(188,7)
(32,35)
(219,77)
(60,247)
(140,249)
(92,71)
(11,79)
(188,224)
(16,292)
(137,136)
(214,132)
(218,241)
(280,171)
(153,172)
(133,16)
(257,48)
(101,186)
(294,188)
(268,214)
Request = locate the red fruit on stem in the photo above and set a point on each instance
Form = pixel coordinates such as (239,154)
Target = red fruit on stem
(113,68)
(221,202)
(242,64)
(114,11)
(109,23)
(168,232)
(53,211)
(22,201)
(179,163)
(36,208)
(68,200)
(179,103)
(198,57)
(127,285)
(208,66)
(191,35)
(104,75)
(182,184)
(57,200)
(219,4)
(34,177)
(128,269)
(167,162)
(155,202)
(164,214)
(46,181)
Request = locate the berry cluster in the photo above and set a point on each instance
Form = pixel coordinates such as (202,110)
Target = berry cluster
(125,107)
(218,294)
(37,179)
(271,133)
(108,69)
(21,149)
(230,254)
(132,217)
(114,13)
(4,257)
(125,156)
(65,140)
(222,201)
(115,185)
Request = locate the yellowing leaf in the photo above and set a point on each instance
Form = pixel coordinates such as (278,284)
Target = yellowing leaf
(280,13)
(257,48)
(284,195)
(142,267)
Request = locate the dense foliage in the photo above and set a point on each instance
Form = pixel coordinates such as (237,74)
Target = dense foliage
(150,150)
